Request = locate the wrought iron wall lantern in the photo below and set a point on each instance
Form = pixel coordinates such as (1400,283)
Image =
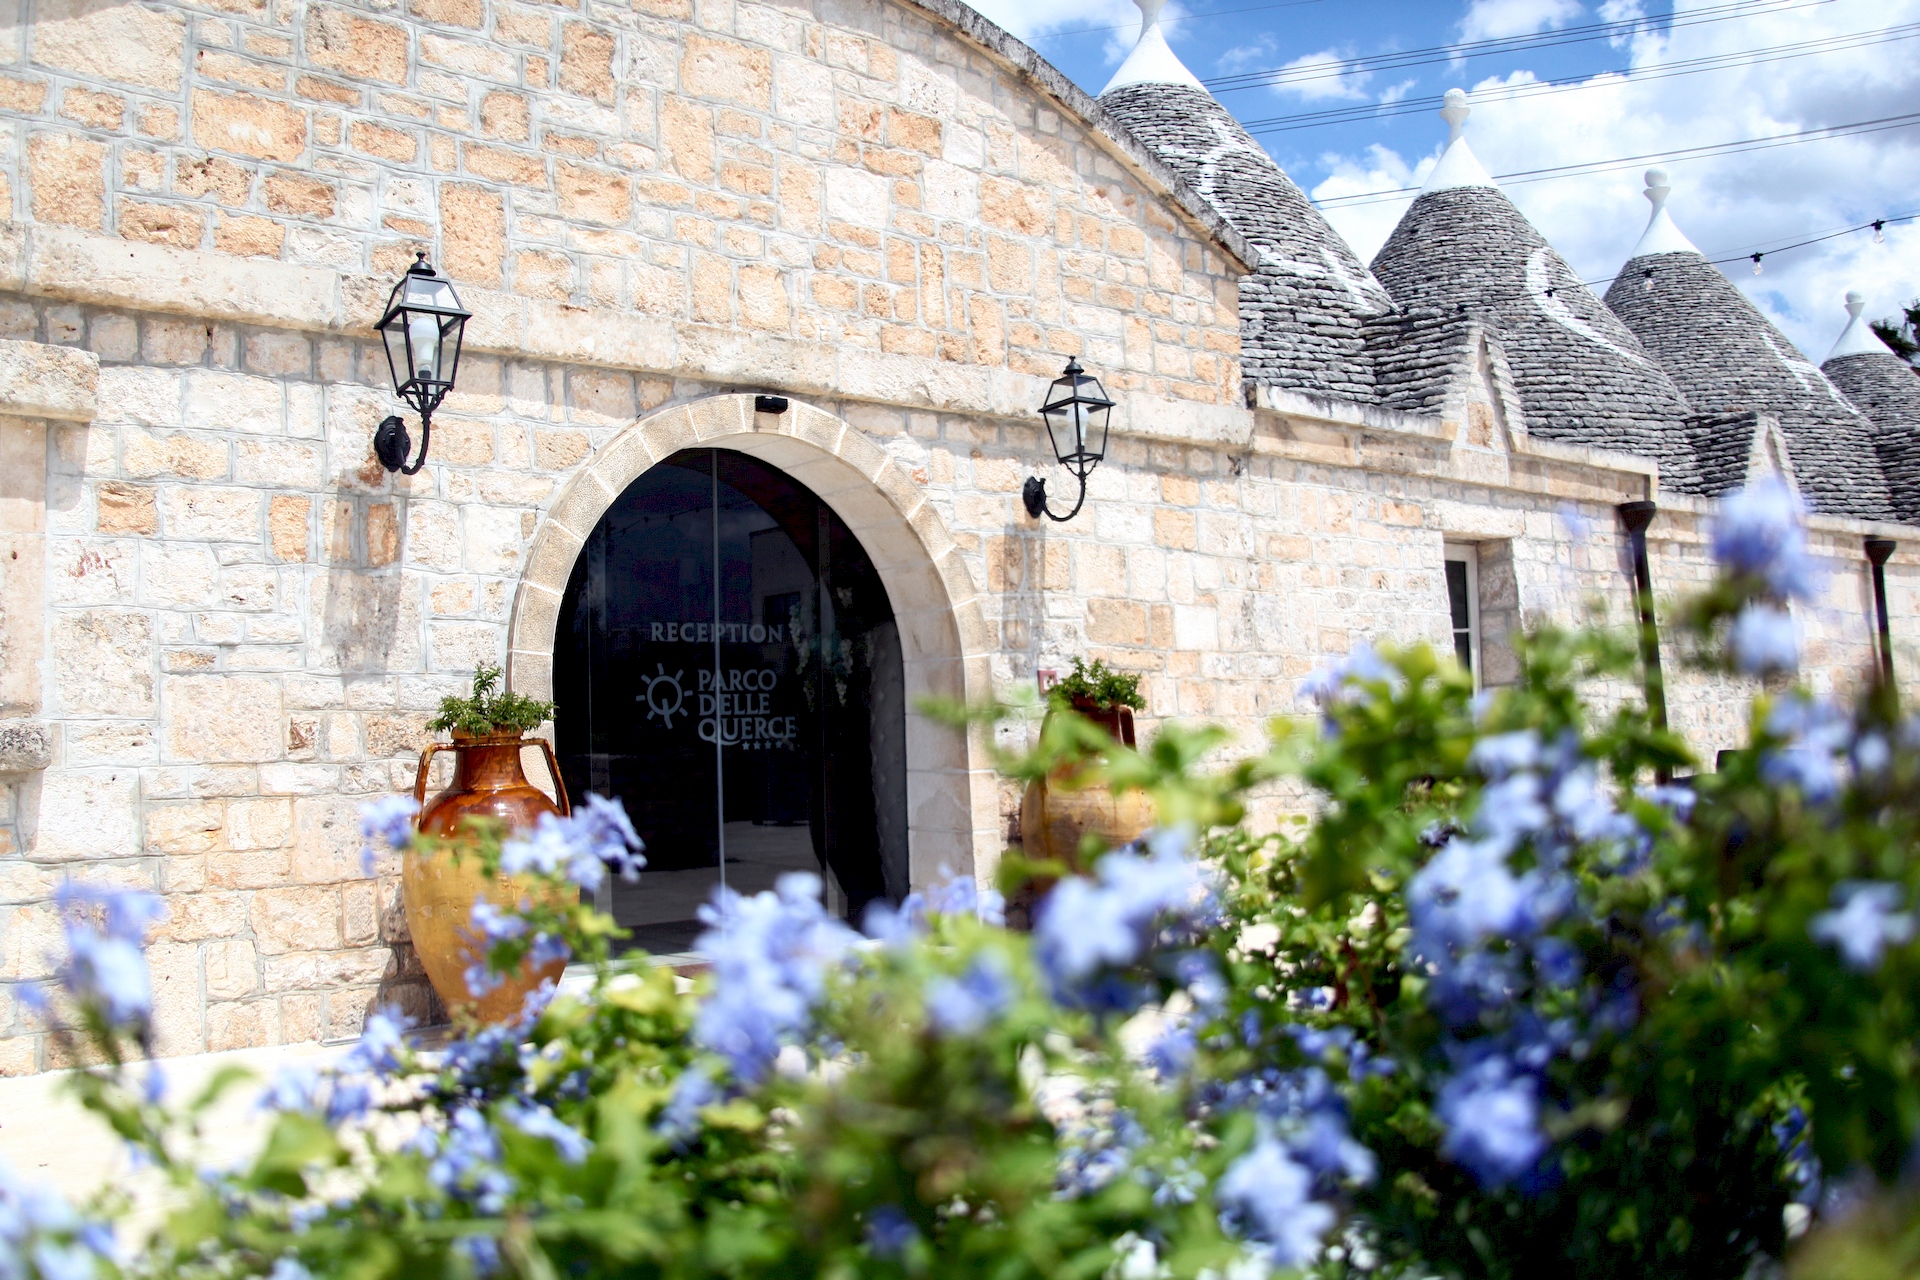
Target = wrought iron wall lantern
(423,328)
(1076,416)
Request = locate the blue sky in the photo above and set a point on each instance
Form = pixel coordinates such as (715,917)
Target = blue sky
(1765,79)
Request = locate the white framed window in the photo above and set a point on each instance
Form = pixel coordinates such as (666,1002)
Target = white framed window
(1461,561)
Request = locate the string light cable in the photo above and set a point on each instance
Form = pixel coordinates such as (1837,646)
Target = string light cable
(1584,168)
(1633,75)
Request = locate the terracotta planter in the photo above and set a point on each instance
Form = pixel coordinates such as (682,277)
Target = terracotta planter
(1058,812)
(488,782)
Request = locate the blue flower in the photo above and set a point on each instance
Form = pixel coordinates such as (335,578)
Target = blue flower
(890,1232)
(960,896)
(1506,753)
(1086,925)
(106,966)
(1171,1051)
(1865,922)
(1492,1115)
(388,820)
(1268,1196)
(56,1261)
(1760,531)
(770,954)
(382,1048)
(1813,732)
(964,1005)
(680,1118)
(1763,641)
(465,1161)
(537,1121)
(482,1252)
(493,924)
(603,827)
(1464,894)
(580,847)
(289,1268)
(896,926)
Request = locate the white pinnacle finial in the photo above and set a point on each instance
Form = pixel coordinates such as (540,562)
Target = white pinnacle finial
(1455,112)
(1661,236)
(1458,166)
(1152,60)
(1858,338)
(1658,188)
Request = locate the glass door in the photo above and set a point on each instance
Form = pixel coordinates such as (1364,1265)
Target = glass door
(727,663)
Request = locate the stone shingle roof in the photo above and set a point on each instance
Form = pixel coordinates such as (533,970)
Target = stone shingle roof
(1728,358)
(1886,389)
(1303,307)
(1580,375)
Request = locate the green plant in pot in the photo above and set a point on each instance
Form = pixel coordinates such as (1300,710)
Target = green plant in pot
(489,794)
(1105,696)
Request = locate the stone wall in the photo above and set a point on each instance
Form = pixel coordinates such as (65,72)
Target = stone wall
(837,177)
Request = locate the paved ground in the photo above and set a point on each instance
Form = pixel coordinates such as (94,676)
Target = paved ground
(45,1134)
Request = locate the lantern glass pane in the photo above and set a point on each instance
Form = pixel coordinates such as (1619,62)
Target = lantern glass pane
(1098,431)
(430,291)
(394,333)
(423,337)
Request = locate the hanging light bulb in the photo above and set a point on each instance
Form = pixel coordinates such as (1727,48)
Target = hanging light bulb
(1756,262)
(1879,230)
(1647,284)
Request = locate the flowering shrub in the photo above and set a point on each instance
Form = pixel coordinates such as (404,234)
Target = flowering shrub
(1507,999)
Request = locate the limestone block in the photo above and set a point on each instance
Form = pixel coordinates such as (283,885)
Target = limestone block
(42,381)
(103,662)
(177,573)
(70,264)
(25,745)
(221,718)
(493,540)
(302,918)
(101,40)
(87,814)
(234,402)
(327,844)
(194,917)
(248,1025)
(125,509)
(232,971)
(178,1013)
(214,514)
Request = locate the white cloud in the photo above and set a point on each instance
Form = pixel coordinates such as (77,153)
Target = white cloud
(1495,19)
(1730,204)
(1316,77)
(1241,56)
(1394,92)
(1029,18)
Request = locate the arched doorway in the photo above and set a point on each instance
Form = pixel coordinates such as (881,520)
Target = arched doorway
(953,803)
(727,662)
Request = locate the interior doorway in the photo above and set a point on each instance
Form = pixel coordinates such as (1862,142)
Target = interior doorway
(728,665)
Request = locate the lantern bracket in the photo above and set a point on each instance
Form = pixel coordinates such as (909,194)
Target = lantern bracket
(1075,413)
(1034,494)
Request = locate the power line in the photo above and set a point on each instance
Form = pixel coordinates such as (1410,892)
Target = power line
(1875,226)
(1691,66)
(1339,67)
(1737,147)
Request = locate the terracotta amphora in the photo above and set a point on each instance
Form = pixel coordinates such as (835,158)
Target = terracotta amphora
(1055,813)
(488,782)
